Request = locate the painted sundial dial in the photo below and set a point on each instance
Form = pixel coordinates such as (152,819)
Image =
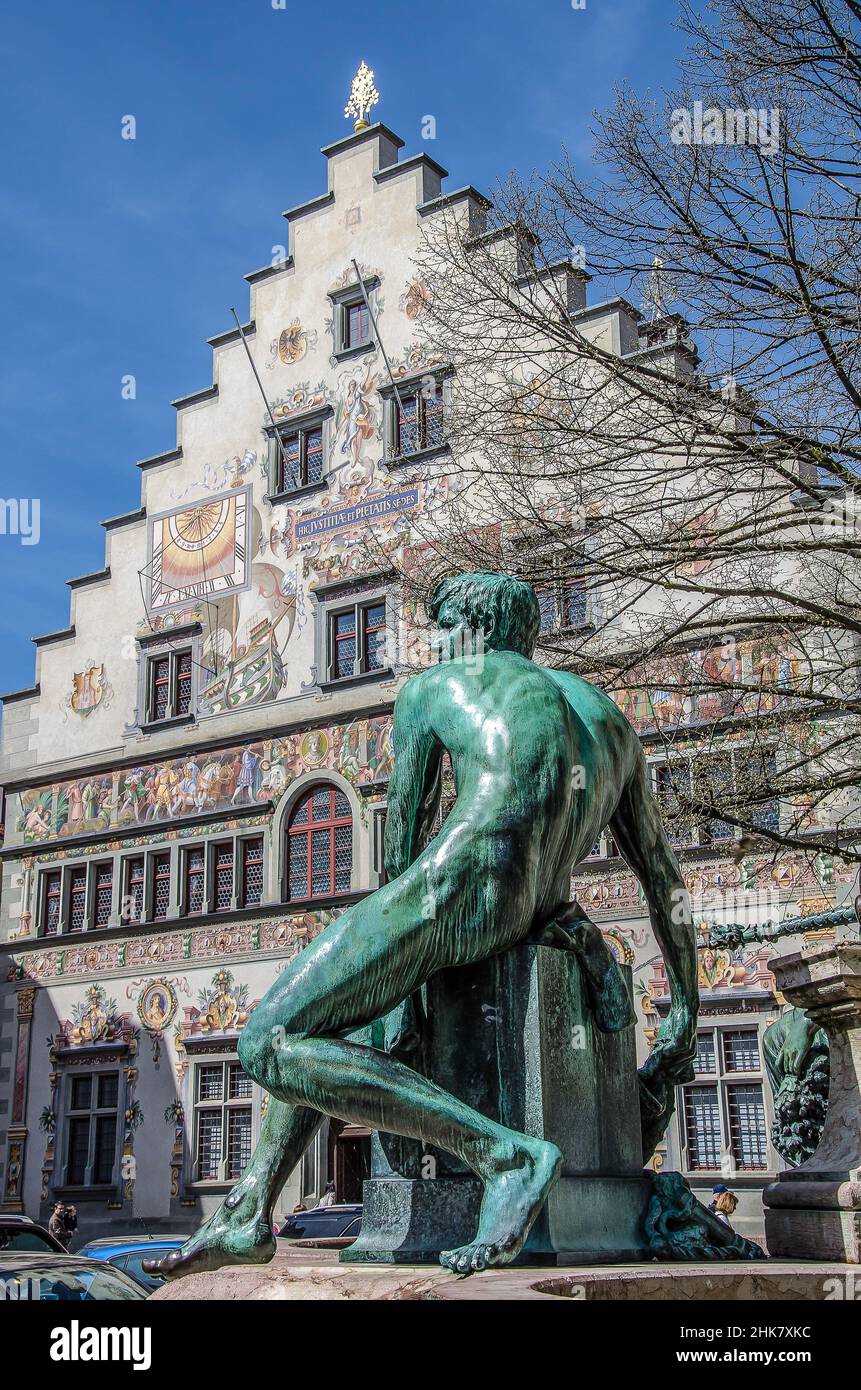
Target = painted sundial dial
(200,551)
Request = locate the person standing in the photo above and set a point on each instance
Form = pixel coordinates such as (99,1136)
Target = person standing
(57,1224)
(70,1220)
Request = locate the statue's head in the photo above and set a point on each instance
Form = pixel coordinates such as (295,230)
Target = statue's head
(503,610)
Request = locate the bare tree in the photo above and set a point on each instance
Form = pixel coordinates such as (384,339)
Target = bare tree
(688,513)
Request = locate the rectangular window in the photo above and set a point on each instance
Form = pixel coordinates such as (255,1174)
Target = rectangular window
(713,784)
(747,1127)
(169,685)
(357,640)
(195,873)
(298,458)
(223,1121)
(160,885)
(252,871)
(355,325)
(419,421)
(133,889)
(183,682)
(223,860)
(51,896)
(705,1062)
(343,644)
(78,897)
(766,816)
(672,785)
(702,1126)
(725,1116)
(91,1129)
(563,600)
(103,894)
(741,1050)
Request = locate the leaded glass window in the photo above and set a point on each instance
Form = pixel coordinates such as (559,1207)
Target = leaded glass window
(320,844)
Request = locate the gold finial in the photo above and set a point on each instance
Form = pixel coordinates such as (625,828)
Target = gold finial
(363,95)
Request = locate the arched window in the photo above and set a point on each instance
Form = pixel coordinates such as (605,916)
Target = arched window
(320,844)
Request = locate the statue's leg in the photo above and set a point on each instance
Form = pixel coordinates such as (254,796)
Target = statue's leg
(360,968)
(240,1231)
(640,835)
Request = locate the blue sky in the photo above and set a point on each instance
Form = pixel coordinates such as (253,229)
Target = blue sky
(122,257)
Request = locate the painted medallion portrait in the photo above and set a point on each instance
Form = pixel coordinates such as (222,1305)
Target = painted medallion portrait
(157,1004)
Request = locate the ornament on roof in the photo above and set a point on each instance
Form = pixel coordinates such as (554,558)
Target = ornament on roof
(655,296)
(363,95)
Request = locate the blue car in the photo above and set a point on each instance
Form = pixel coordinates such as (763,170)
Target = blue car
(129,1254)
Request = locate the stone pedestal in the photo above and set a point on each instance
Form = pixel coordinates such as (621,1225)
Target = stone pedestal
(514,1038)
(814,1211)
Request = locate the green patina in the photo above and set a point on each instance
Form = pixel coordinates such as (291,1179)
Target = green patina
(542,761)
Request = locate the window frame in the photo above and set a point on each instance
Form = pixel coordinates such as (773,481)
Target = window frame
(186,873)
(94,1112)
(251,1103)
(724,1080)
(301,424)
(306,830)
(215,868)
(412,385)
(173,656)
(359,606)
(240,869)
(93,923)
(703,834)
(46,896)
(153,876)
(343,300)
(559,587)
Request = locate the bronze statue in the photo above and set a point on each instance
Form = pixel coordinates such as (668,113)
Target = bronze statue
(542,762)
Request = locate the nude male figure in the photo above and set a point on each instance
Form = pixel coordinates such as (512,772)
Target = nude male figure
(543,761)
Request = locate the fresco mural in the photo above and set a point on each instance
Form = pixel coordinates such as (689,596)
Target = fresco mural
(91,690)
(246,627)
(95,1019)
(291,345)
(223,779)
(659,697)
(221,477)
(298,401)
(415,299)
(222,1007)
(357,422)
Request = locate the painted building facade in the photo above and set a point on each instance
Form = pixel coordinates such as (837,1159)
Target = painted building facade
(196,782)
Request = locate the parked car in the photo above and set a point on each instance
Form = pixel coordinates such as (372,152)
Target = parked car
(28,1276)
(129,1252)
(323,1223)
(21,1233)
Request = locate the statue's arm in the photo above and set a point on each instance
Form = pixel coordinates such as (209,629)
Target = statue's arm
(414,788)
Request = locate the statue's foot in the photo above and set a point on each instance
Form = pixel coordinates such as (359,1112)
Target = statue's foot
(227,1238)
(513,1196)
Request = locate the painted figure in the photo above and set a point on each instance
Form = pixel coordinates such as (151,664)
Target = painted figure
(358,419)
(542,761)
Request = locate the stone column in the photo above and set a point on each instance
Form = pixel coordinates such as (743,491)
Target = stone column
(13,1195)
(814,1211)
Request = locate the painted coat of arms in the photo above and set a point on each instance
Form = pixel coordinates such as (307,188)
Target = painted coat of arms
(90,688)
